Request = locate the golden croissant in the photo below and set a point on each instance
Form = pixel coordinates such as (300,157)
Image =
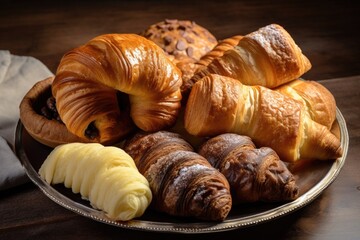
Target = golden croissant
(183,183)
(219,104)
(96,82)
(254,174)
(318,101)
(107,176)
(267,57)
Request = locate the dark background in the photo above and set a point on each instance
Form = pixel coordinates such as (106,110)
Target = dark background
(326,31)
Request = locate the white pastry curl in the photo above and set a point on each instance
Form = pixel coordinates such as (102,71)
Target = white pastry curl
(107,176)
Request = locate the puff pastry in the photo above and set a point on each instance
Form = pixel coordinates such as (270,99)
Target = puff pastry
(268,57)
(115,81)
(219,104)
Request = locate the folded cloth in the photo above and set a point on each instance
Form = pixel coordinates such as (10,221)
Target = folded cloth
(17,75)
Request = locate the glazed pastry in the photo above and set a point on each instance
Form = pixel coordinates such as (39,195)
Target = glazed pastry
(254,174)
(183,183)
(318,101)
(219,104)
(39,116)
(107,176)
(99,83)
(268,57)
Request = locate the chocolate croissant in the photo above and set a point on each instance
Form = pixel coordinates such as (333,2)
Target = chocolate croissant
(219,104)
(183,183)
(104,86)
(107,176)
(267,57)
(254,174)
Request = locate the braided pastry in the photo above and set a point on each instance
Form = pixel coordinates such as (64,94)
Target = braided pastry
(182,40)
(205,60)
(183,183)
(219,50)
(95,83)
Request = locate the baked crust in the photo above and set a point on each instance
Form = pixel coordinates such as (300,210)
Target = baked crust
(268,57)
(90,77)
(48,132)
(270,118)
(184,40)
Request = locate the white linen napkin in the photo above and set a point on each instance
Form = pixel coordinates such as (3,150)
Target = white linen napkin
(17,75)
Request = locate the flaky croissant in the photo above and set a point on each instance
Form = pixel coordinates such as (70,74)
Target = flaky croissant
(183,183)
(219,104)
(107,176)
(318,101)
(267,57)
(254,174)
(95,82)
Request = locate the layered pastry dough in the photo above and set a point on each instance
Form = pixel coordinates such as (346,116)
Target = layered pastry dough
(205,60)
(317,100)
(254,174)
(49,132)
(183,183)
(116,79)
(107,176)
(219,50)
(219,104)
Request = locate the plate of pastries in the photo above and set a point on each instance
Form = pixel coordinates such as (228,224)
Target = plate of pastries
(173,130)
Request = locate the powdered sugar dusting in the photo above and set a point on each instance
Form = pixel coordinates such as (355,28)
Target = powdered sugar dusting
(185,174)
(184,171)
(278,44)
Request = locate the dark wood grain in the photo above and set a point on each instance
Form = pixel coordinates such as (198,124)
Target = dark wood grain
(326,31)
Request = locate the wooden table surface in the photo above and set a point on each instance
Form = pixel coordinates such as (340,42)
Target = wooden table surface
(326,31)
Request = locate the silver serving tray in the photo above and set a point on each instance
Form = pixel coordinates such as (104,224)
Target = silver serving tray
(312,178)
